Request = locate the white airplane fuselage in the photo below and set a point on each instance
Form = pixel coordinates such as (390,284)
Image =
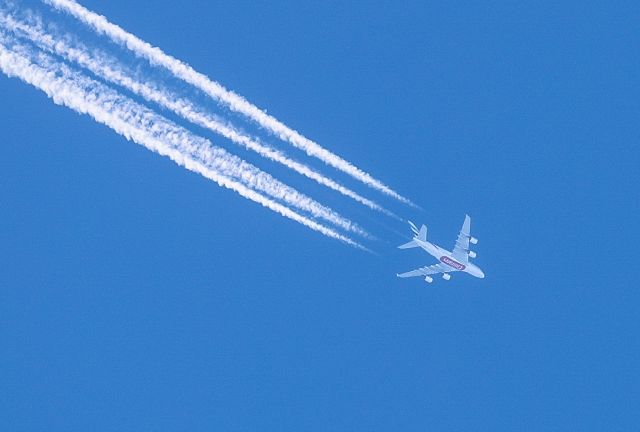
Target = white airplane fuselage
(446,257)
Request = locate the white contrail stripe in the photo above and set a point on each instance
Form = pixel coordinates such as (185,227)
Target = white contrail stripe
(215,157)
(65,91)
(110,69)
(217,91)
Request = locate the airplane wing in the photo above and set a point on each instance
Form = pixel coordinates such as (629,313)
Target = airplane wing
(461,249)
(428,270)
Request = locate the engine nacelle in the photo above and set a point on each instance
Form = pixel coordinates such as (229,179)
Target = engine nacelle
(473,240)
(428,279)
(472,254)
(446,276)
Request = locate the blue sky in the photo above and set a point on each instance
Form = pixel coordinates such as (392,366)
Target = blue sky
(139,296)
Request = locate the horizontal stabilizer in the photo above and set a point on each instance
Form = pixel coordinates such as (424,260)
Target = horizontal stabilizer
(409,245)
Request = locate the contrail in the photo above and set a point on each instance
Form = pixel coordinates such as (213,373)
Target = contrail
(214,89)
(89,97)
(213,156)
(111,70)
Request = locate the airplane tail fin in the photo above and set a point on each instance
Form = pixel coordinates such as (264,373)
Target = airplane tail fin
(420,234)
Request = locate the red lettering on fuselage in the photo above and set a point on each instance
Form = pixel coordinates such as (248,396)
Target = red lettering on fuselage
(455,264)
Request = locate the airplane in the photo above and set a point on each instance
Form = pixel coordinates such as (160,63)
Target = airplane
(449,262)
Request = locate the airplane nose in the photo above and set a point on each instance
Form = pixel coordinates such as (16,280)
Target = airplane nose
(481,274)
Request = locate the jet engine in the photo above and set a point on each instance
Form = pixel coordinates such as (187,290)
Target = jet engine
(446,276)
(473,240)
(428,279)
(472,254)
